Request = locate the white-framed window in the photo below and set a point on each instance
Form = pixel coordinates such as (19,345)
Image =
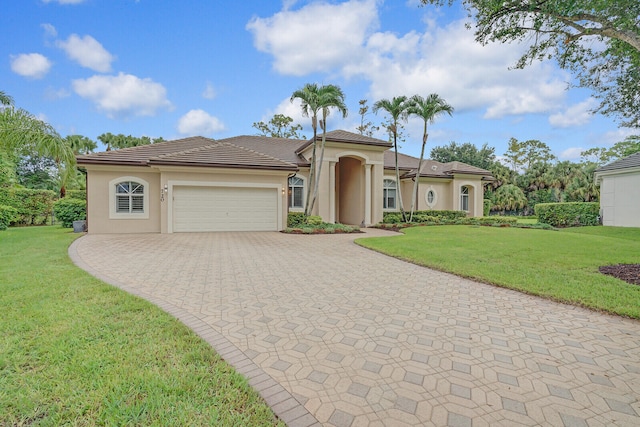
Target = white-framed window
(431,197)
(464,198)
(128,198)
(296,192)
(389,193)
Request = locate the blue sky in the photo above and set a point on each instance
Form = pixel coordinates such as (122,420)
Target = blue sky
(212,68)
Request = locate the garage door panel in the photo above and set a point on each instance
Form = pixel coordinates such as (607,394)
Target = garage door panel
(225,209)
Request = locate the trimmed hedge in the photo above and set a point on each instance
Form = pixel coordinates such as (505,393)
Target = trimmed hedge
(69,210)
(77,194)
(8,215)
(423,216)
(573,214)
(33,206)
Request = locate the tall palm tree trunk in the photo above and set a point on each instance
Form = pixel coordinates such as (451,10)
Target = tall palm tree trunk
(399,192)
(414,199)
(308,206)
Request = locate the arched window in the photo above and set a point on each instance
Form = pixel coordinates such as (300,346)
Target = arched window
(464,198)
(129,197)
(389,194)
(296,192)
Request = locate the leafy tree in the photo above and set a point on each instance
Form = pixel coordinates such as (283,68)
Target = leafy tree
(120,141)
(5,99)
(280,126)
(582,187)
(598,40)
(523,154)
(509,198)
(397,109)
(468,153)
(502,175)
(621,149)
(316,99)
(366,128)
(7,171)
(428,109)
(37,172)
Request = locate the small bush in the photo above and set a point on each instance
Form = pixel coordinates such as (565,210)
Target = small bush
(295,219)
(8,215)
(314,220)
(69,210)
(419,216)
(486,207)
(572,214)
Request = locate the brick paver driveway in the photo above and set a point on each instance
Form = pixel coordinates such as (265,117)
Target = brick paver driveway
(333,333)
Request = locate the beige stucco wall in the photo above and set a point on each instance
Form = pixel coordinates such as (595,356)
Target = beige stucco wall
(160,212)
(620,199)
(98,179)
(442,190)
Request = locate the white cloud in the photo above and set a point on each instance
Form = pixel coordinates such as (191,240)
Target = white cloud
(572,153)
(209,92)
(123,95)
(577,115)
(199,122)
(317,37)
(88,52)
(49,30)
(52,94)
(32,65)
(445,60)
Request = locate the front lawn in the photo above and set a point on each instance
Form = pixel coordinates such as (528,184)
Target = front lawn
(75,351)
(560,265)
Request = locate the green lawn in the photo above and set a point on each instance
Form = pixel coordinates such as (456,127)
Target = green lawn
(76,351)
(560,265)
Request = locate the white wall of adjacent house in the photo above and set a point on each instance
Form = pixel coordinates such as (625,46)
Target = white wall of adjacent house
(620,200)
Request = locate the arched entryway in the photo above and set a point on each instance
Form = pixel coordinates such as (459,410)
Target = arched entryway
(350,189)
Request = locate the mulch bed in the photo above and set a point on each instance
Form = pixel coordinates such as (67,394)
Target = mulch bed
(630,273)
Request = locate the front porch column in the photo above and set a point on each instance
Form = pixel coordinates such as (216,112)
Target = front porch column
(367,195)
(332,192)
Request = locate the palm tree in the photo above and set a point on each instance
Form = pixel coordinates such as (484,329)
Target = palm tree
(428,109)
(5,99)
(313,99)
(81,144)
(509,198)
(397,109)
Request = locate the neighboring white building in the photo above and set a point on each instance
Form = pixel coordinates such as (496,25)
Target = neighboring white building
(620,192)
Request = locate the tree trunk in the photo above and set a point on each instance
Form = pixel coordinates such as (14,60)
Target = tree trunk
(307,210)
(414,199)
(395,147)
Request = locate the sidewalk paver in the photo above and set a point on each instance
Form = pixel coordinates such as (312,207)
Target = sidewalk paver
(334,334)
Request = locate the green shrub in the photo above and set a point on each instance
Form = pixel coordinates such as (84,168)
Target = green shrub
(486,207)
(69,210)
(77,194)
(33,206)
(418,216)
(493,220)
(295,219)
(314,220)
(8,215)
(572,214)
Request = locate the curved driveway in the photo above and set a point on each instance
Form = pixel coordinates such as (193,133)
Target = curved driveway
(332,333)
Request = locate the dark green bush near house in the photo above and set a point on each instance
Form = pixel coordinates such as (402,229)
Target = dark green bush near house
(296,219)
(574,214)
(8,215)
(396,217)
(69,210)
(486,207)
(77,194)
(33,206)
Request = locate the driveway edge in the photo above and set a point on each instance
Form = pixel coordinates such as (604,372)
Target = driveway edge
(284,405)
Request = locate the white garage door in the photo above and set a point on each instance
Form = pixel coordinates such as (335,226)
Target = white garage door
(198,209)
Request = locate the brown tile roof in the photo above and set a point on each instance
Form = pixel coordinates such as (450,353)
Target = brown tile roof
(349,137)
(632,161)
(280,148)
(193,151)
(432,168)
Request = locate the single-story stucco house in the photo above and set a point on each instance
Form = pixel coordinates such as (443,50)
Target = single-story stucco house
(619,183)
(199,184)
